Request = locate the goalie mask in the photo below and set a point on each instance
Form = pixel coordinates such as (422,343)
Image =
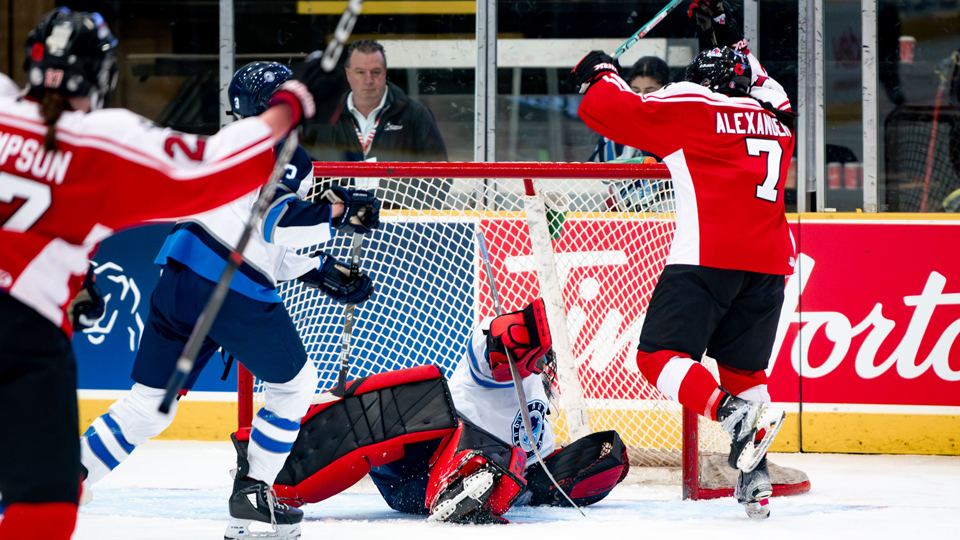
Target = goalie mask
(526,334)
(722,70)
(72,53)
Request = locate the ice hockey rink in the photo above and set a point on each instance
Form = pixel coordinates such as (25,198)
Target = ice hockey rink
(178,490)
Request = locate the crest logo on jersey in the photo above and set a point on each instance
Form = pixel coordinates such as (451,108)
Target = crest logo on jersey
(6,280)
(120,297)
(538,419)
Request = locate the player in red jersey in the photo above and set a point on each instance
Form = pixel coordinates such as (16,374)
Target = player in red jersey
(70,175)
(726,134)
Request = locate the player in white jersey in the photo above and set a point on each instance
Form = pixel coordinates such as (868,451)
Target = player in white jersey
(465,460)
(253,325)
(70,175)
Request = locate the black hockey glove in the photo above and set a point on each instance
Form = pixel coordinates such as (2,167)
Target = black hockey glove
(716,26)
(594,65)
(334,280)
(88,305)
(361,209)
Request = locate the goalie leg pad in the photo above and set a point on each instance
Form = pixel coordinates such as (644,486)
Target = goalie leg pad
(587,470)
(339,441)
(475,478)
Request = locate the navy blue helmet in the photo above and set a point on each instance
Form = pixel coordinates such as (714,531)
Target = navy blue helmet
(72,53)
(253,84)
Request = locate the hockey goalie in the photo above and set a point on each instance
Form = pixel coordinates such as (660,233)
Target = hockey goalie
(457,451)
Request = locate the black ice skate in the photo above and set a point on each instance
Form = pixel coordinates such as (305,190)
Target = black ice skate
(752,426)
(753,491)
(255,510)
(462,502)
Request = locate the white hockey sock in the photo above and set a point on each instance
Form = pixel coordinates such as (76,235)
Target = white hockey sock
(756,393)
(130,421)
(277,424)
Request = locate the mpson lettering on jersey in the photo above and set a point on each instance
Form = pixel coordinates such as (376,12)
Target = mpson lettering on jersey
(750,123)
(30,157)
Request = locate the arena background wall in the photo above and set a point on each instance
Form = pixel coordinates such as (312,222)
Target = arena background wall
(867,358)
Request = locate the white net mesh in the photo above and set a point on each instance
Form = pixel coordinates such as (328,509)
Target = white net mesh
(614,236)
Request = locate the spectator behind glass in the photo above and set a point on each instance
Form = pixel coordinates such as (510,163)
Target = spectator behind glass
(648,75)
(376,121)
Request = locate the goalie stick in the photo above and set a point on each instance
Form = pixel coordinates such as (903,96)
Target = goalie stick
(515,373)
(645,29)
(234,260)
(356,252)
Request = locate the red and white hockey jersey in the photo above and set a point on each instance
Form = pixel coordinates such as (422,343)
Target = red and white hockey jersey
(728,158)
(112,169)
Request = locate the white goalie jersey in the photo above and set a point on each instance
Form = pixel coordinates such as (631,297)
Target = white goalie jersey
(493,405)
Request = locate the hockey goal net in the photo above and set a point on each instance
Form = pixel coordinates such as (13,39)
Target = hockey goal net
(590,238)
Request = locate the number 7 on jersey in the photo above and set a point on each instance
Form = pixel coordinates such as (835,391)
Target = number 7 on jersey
(756,147)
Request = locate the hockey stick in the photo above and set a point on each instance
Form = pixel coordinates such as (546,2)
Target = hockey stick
(209,314)
(931,146)
(515,373)
(645,29)
(341,388)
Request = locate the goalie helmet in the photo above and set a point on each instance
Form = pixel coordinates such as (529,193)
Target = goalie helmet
(252,86)
(722,70)
(72,53)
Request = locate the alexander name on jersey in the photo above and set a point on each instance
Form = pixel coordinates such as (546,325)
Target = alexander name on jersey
(31,158)
(748,123)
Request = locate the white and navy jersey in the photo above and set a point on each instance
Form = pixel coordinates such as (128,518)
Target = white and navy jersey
(111,169)
(493,405)
(203,242)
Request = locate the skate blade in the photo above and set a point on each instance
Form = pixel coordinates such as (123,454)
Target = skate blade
(474,487)
(240,529)
(752,453)
(758,510)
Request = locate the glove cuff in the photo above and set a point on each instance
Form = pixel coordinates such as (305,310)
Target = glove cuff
(285,96)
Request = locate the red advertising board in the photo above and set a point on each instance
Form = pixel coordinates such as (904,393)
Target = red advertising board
(872,315)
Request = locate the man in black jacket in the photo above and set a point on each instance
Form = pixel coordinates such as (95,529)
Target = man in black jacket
(376,121)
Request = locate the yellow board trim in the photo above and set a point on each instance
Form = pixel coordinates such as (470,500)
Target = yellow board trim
(380,7)
(874,433)
(195,420)
(845,433)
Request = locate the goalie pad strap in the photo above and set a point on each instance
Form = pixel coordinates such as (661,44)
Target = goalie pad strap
(467,450)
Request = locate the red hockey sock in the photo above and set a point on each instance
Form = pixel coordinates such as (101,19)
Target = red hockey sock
(681,379)
(50,521)
(738,381)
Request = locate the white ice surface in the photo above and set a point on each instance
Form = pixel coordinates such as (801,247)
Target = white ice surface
(178,490)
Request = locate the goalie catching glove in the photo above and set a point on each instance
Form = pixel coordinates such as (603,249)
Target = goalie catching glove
(361,209)
(594,65)
(526,334)
(335,280)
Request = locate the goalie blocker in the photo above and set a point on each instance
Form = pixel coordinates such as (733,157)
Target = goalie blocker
(401,427)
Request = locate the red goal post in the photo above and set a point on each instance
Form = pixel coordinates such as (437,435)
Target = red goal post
(590,238)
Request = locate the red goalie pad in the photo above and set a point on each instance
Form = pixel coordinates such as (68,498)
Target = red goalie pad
(527,334)
(474,477)
(340,441)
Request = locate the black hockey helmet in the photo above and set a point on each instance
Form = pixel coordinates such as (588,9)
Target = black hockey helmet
(720,69)
(72,53)
(253,84)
